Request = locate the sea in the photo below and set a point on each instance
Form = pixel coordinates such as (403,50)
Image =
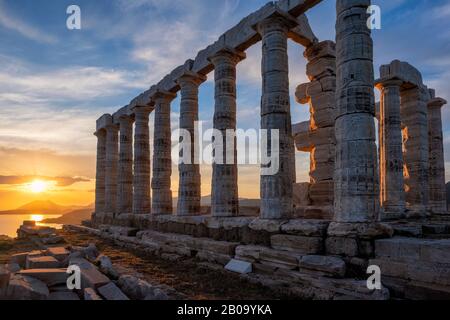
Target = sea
(10,223)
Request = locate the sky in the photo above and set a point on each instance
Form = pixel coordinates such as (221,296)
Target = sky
(55,82)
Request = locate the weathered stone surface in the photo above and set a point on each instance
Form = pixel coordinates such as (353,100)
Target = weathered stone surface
(44,262)
(106,266)
(111,161)
(268,225)
(242,267)
(5,275)
(138,289)
(303,227)
(361,230)
(20,259)
(304,245)
(50,277)
(301,194)
(90,294)
(26,288)
(341,246)
(356,176)
(100,171)
(125,166)
(330,265)
(59,253)
(90,276)
(111,292)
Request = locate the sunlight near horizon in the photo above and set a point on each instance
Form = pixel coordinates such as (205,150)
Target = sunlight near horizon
(38,186)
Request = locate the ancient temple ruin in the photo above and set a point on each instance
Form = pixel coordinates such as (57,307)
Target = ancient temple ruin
(362,195)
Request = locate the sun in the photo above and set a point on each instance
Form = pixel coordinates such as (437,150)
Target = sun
(38,186)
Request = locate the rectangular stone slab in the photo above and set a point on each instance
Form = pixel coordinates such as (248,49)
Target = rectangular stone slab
(112,292)
(50,277)
(242,267)
(44,262)
(60,253)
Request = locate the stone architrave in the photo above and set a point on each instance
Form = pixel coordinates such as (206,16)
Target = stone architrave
(224,198)
(356,179)
(162,157)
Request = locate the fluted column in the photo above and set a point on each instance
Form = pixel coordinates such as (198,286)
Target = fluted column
(162,158)
(414,115)
(189,190)
(224,197)
(392,191)
(437,201)
(356,182)
(141,179)
(125,176)
(100,171)
(112,158)
(277,189)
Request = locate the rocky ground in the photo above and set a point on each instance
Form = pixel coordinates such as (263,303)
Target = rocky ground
(184,279)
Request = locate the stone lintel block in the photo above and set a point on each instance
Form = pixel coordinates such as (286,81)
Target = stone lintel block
(306,227)
(303,33)
(437,103)
(299,244)
(268,225)
(297,7)
(402,71)
(360,230)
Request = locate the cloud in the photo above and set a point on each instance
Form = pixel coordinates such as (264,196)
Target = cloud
(8,20)
(60,181)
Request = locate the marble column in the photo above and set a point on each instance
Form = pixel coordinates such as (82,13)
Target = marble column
(100,171)
(414,115)
(438,198)
(189,190)
(141,179)
(112,158)
(125,176)
(277,189)
(162,158)
(392,193)
(356,182)
(225,196)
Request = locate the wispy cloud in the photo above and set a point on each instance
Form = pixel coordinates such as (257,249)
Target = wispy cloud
(60,181)
(10,21)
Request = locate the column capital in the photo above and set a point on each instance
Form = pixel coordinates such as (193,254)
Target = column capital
(142,110)
(227,52)
(126,119)
(275,19)
(437,103)
(190,78)
(382,83)
(100,133)
(163,95)
(112,127)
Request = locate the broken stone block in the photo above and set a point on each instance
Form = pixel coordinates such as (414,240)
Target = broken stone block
(242,267)
(63,296)
(111,292)
(331,265)
(59,253)
(20,259)
(26,288)
(300,244)
(213,257)
(106,266)
(44,262)
(12,267)
(51,277)
(301,194)
(90,275)
(91,295)
(283,259)
(249,253)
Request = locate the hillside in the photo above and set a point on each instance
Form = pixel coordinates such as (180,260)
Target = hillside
(42,207)
(72,217)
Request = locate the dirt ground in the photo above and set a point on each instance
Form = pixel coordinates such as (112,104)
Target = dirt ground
(194,282)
